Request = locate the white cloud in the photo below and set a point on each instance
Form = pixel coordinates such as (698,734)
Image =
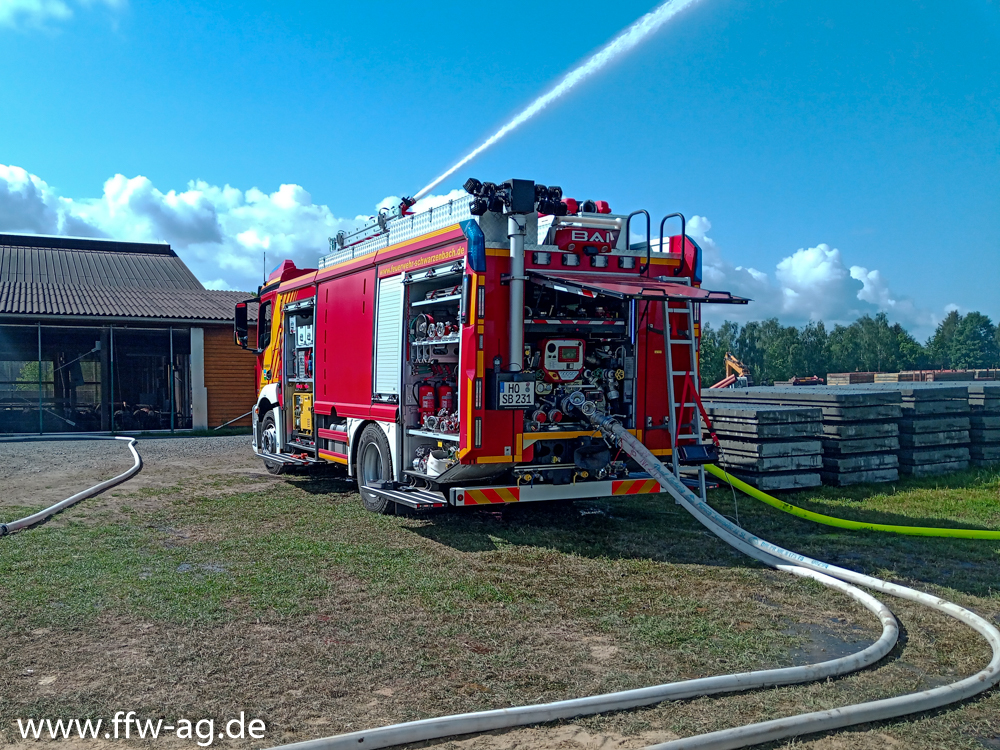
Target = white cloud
(222,233)
(810,284)
(37,13)
(27,203)
(218,284)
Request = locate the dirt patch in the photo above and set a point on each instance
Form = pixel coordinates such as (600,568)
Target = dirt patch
(566,737)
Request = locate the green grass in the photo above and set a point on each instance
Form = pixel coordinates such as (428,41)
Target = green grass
(470,610)
(969,499)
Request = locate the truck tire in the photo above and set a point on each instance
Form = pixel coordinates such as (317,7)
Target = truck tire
(269,443)
(374,464)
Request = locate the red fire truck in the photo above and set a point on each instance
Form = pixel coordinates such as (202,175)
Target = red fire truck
(454,356)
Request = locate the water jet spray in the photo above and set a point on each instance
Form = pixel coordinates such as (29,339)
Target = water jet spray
(625,42)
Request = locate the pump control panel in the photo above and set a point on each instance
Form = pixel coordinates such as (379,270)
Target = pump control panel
(562,359)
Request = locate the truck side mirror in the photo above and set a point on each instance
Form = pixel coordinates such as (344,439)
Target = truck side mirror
(241,326)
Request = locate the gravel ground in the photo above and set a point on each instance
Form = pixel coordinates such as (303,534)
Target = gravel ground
(37,473)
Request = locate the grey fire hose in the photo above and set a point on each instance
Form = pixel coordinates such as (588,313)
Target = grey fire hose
(502,718)
(818,721)
(771,555)
(41,515)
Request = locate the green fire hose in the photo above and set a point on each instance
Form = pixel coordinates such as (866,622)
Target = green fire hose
(843,523)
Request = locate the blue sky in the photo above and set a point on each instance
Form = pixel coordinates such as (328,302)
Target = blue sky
(865,135)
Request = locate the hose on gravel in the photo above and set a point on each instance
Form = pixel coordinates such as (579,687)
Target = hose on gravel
(41,515)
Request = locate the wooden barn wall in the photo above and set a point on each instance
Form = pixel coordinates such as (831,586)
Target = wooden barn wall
(230,377)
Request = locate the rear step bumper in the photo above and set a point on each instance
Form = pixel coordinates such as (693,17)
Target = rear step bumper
(286,459)
(411,497)
(532,493)
(638,483)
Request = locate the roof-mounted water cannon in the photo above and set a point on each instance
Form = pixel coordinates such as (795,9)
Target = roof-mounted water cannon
(377,225)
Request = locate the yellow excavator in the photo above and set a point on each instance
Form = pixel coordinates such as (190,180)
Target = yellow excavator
(737,374)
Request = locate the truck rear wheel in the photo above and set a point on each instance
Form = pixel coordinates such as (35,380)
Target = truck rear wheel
(374,464)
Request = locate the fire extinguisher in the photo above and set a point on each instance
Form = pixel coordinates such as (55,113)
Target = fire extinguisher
(446,397)
(426,400)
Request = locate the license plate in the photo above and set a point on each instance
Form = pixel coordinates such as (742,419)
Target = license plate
(517,395)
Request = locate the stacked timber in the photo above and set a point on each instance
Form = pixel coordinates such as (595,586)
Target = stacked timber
(984,403)
(849,378)
(944,376)
(768,446)
(896,377)
(860,435)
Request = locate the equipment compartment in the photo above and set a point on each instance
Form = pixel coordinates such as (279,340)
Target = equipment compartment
(581,355)
(300,322)
(433,315)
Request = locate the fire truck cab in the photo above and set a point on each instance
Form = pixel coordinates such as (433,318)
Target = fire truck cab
(453,356)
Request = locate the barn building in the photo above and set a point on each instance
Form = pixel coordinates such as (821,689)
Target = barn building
(97,335)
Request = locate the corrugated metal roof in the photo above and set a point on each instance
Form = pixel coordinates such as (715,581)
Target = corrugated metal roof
(21,298)
(90,262)
(104,279)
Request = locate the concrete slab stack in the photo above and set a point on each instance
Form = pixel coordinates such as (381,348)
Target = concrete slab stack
(768,446)
(860,435)
(984,402)
(934,430)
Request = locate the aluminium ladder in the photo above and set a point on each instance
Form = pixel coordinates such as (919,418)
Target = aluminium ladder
(681,426)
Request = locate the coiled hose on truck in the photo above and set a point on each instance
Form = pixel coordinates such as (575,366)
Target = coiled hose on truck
(843,523)
(98,488)
(772,555)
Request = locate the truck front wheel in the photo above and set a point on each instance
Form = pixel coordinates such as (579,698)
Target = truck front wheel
(269,444)
(374,465)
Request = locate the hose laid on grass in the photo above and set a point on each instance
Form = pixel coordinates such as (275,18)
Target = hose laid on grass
(768,553)
(484,721)
(41,515)
(843,523)
(817,721)
(504,718)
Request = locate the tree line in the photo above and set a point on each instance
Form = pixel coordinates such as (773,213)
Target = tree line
(774,352)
